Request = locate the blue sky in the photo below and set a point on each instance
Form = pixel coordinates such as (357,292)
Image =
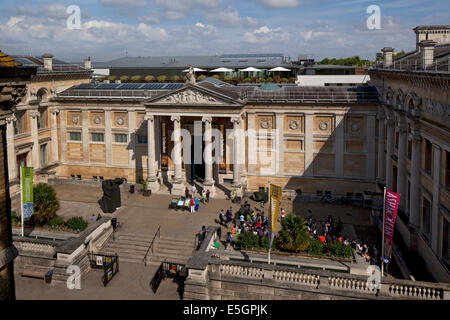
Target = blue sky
(110,28)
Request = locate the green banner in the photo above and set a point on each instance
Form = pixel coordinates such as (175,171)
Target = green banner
(26,174)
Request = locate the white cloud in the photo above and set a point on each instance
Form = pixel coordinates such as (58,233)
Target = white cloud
(227,17)
(185,5)
(124,3)
(280,3)
(265,35)
(200,25)
(251,22)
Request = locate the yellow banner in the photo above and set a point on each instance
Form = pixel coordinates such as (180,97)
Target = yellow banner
(275,199)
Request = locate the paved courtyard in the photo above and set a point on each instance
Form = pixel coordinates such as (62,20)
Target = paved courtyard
(143,215)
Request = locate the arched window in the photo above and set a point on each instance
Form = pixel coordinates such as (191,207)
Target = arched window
(42,95)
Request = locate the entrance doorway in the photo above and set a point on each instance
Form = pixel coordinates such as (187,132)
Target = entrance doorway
(197,160)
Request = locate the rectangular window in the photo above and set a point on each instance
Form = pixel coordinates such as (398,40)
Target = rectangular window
(428,156)
(75,136)
(121,138)
(142,139)
(98,137)
(43,155)
(426,218)
(42,117)
(19,123)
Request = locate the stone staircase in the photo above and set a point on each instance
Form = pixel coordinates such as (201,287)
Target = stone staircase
(132,248)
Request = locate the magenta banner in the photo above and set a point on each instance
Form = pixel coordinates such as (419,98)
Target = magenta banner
(391,202)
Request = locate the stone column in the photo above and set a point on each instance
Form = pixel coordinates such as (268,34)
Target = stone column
(414,201)
(208,158)
(85,135)
(242,158)
(35,138)
(12,162)
(370,147)
(381,175)
(177,183)
(401,169)
(279,136)
(339,146)
(108,138)
(435,205)
(153,183)
(54,133)
(390,139)
(309,146)
(132,139)
(63,123)
(251,143)
(236,149)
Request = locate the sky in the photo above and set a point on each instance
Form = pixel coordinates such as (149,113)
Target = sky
(111,29)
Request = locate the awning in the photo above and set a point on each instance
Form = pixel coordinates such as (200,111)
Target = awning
(280,69)
(250,69)
(222,69)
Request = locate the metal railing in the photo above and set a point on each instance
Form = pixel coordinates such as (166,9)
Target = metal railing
(417,65)
(152,244)
(63,68)
(337,97)
(99,93)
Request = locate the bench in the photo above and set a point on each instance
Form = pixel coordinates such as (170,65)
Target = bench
(34,274)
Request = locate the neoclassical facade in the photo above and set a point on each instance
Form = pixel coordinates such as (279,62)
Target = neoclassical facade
(414,155)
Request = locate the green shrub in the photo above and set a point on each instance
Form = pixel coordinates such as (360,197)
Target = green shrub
(247,80)
(269,79)
(228,78)
(294,236)
(339,249)
(45,203)
(215,76)
(76,223)
(124,78)
(100,79)
(15,219)
(247,240)
(284,80)
(262,80)
(162,78)
(149,78)
(175,78)
(201,77)
(55,222)
(265,243)
(112,78)
(136,78)
(316,247)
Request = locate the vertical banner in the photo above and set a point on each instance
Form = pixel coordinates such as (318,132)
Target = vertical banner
(391,201)
(164,156)
(26,181)
(275,199)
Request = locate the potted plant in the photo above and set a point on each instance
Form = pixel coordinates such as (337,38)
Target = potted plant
(145,190)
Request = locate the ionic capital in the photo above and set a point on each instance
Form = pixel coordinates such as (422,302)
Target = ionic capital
(11,119)
(34,114)
(236,120)
(175,118)
(207,119)
(54,111)
(149,117)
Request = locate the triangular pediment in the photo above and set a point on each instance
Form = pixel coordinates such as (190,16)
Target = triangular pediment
(192,95)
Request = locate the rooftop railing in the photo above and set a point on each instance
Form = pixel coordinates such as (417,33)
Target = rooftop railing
(336,97)
(62,68)
(417,65)
(99,93)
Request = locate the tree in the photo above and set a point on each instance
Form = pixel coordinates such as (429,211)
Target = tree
(162,78)
(45,203)
(398,54)
(294,236)
(136,78)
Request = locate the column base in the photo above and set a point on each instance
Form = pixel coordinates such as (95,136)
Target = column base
(238,189)
(178,188)
(153,185)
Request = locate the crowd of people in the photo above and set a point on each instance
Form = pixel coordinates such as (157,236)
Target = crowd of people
(194,202)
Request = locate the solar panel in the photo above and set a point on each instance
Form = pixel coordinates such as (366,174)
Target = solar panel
(85,86)
(132,86)
(108,86)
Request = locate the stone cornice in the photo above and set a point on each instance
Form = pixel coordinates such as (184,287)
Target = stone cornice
(421,79)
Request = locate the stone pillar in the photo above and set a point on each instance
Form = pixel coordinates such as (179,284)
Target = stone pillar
(370,147)
(387,55)
(34,117)
(279,136)
(427,49)
(208,158)
(54,133)
(251,143)
(108,138)
(309,146)
(12,163)
(390,140)
(339,142)
(401,169)
(132,139)
(63,124)
(153,183)
(381,174)
(414,201)
(236,149)
(435,205)
(242,157)
(177,183)
(85,135)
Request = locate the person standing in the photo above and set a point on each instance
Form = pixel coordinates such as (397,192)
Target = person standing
(283,213)
(192,204)
(229,239)
(186,192)
(193,190)
(204,196)
(241,218)
(219,233)
(207,195)
(221,217)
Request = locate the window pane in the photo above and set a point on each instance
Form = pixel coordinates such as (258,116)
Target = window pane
(142,139)
(121,138)
(43,155)
(98,137)
(75,136)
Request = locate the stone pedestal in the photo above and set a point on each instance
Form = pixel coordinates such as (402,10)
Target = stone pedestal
(178,188)
(153,185)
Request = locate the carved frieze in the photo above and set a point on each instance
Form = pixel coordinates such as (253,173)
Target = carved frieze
(190,96)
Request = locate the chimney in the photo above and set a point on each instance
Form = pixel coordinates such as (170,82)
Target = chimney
(387,55)
(427,49)
(48,61)
(87,63)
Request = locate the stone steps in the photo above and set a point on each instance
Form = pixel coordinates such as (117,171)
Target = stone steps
(132,248)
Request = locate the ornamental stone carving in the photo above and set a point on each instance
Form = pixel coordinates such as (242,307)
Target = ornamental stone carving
(120,121)
(294,124)
(75,119)
(264,123)
(323,125)
(355,126)
(189,96)
(97,119)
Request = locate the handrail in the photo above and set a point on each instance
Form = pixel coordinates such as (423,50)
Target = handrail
(158,233)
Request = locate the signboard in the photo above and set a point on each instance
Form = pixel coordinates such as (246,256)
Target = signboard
(275,199)
(99,260)
(26,181)
(391,201)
